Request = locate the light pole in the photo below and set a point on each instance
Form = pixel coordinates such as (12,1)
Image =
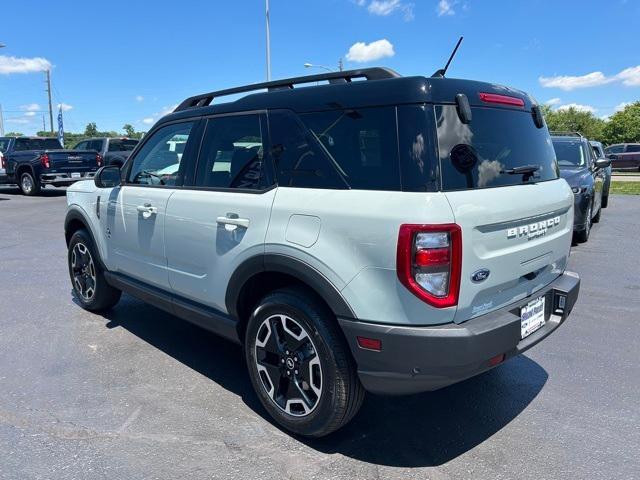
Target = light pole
(2,45)
(268,41)
(313,65)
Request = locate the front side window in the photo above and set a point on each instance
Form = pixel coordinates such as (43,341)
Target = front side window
(485,152)
(232,153)
(361,143)
(597,152)
(158,161)
(570,153)
(614,149)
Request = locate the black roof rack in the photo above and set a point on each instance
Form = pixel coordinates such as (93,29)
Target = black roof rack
(376,73)
(566,134)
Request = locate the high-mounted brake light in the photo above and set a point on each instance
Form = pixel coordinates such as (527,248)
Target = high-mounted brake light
(501,99)
(429,262)
(44,160)
(99,159)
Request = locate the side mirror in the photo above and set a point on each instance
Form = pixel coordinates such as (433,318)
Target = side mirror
(108,177)
(602,162)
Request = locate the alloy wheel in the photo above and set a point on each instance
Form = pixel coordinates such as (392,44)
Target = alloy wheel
(26,183)
(84,271)
(288,365)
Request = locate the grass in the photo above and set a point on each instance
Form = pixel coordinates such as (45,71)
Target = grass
(625,188)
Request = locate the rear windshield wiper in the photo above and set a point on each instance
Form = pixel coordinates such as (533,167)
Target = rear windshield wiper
(523,170)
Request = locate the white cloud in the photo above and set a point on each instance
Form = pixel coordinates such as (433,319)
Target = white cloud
(19,120)
(567,82)
(30,107)
(578,107)
(147,121)
(553,101)
(139,98)
(9,65)
(445,8)
(387,7)
(168,110)
(64,107)
(622,106)
(367,52)
(630,76)
(30,114)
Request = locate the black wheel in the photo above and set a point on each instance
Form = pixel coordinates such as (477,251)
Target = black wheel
(28,185)
(596,218)
(605,201)
(583,236)
(87,277)
(300,364)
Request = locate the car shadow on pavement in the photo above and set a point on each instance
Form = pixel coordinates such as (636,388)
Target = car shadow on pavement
(45,192)
(426,429)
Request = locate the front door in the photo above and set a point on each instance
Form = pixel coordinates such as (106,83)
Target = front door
(221,219)
(136,210)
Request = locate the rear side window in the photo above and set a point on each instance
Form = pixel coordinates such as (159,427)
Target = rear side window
(480,154)
(232,153)
(633,148)
(614,149)
(361,143)
(417,149)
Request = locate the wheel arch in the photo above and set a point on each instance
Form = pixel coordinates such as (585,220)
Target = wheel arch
(76,220)
(261,274)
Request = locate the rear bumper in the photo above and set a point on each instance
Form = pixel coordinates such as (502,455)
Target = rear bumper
(417,359)
(63,179)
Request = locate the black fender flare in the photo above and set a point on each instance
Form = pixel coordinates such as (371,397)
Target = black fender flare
(279,263)
(79,216)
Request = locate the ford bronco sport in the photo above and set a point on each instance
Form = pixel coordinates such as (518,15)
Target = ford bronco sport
(369,232)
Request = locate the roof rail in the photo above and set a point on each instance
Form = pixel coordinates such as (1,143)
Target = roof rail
(204,99)
(566,134)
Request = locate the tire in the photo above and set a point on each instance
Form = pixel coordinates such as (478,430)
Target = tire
(596,218)
(28,185)
(605,201)
(583,236)
(87,276)
(321,391)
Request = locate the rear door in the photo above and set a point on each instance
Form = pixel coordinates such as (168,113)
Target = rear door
(136,210)
(515,226)
(220,218)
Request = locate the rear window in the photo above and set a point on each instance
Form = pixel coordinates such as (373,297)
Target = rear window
(122,145)
(37,144)
(570,153)
(481,153)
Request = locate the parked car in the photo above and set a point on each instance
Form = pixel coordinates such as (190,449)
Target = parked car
(32,162)
(624,156)
(585,174)
(343,249)
(114,151)
(598,150)
(4,143)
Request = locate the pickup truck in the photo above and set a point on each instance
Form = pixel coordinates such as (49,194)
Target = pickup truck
(114,151)
(32,162)
(624,156)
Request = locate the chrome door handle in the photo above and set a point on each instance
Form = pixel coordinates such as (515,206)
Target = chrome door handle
(233,221)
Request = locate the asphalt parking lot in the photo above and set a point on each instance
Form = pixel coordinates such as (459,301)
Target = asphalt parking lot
(139,394)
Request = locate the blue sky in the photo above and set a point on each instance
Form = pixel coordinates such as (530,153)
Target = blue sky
(135,62)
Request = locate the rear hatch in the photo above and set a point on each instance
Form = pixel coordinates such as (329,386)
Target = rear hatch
(500,176)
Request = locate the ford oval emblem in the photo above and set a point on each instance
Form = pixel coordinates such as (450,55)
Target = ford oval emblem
(480,275)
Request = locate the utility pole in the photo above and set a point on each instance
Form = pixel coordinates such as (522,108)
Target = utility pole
(1,122)
(44,125)
(268,42)
(340,65)
(49,93)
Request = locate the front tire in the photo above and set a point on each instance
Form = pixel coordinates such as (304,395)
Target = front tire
(87,276)
(28,185)
(300,365)
(583,236)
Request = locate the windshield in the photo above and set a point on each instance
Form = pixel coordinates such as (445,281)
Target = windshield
(4,144)
(570,153)
(499,147)
(122,145)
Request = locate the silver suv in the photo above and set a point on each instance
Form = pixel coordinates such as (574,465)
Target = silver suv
(365,232)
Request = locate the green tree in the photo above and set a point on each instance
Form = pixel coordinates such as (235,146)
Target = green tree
(129,130)
(573,120)
(14,134)
(623,126)
(91,130)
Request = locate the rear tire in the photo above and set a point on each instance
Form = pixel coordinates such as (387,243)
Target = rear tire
(28,185)
(87,276)
(300,364)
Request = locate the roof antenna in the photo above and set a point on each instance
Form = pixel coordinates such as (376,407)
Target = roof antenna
(440,73)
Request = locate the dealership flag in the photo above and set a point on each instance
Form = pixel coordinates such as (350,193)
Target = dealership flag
(60,127)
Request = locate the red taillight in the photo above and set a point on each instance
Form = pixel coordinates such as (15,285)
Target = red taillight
(99,159)
(493,361)
(44,160)
(1,160)
(501,99)
(429,262)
